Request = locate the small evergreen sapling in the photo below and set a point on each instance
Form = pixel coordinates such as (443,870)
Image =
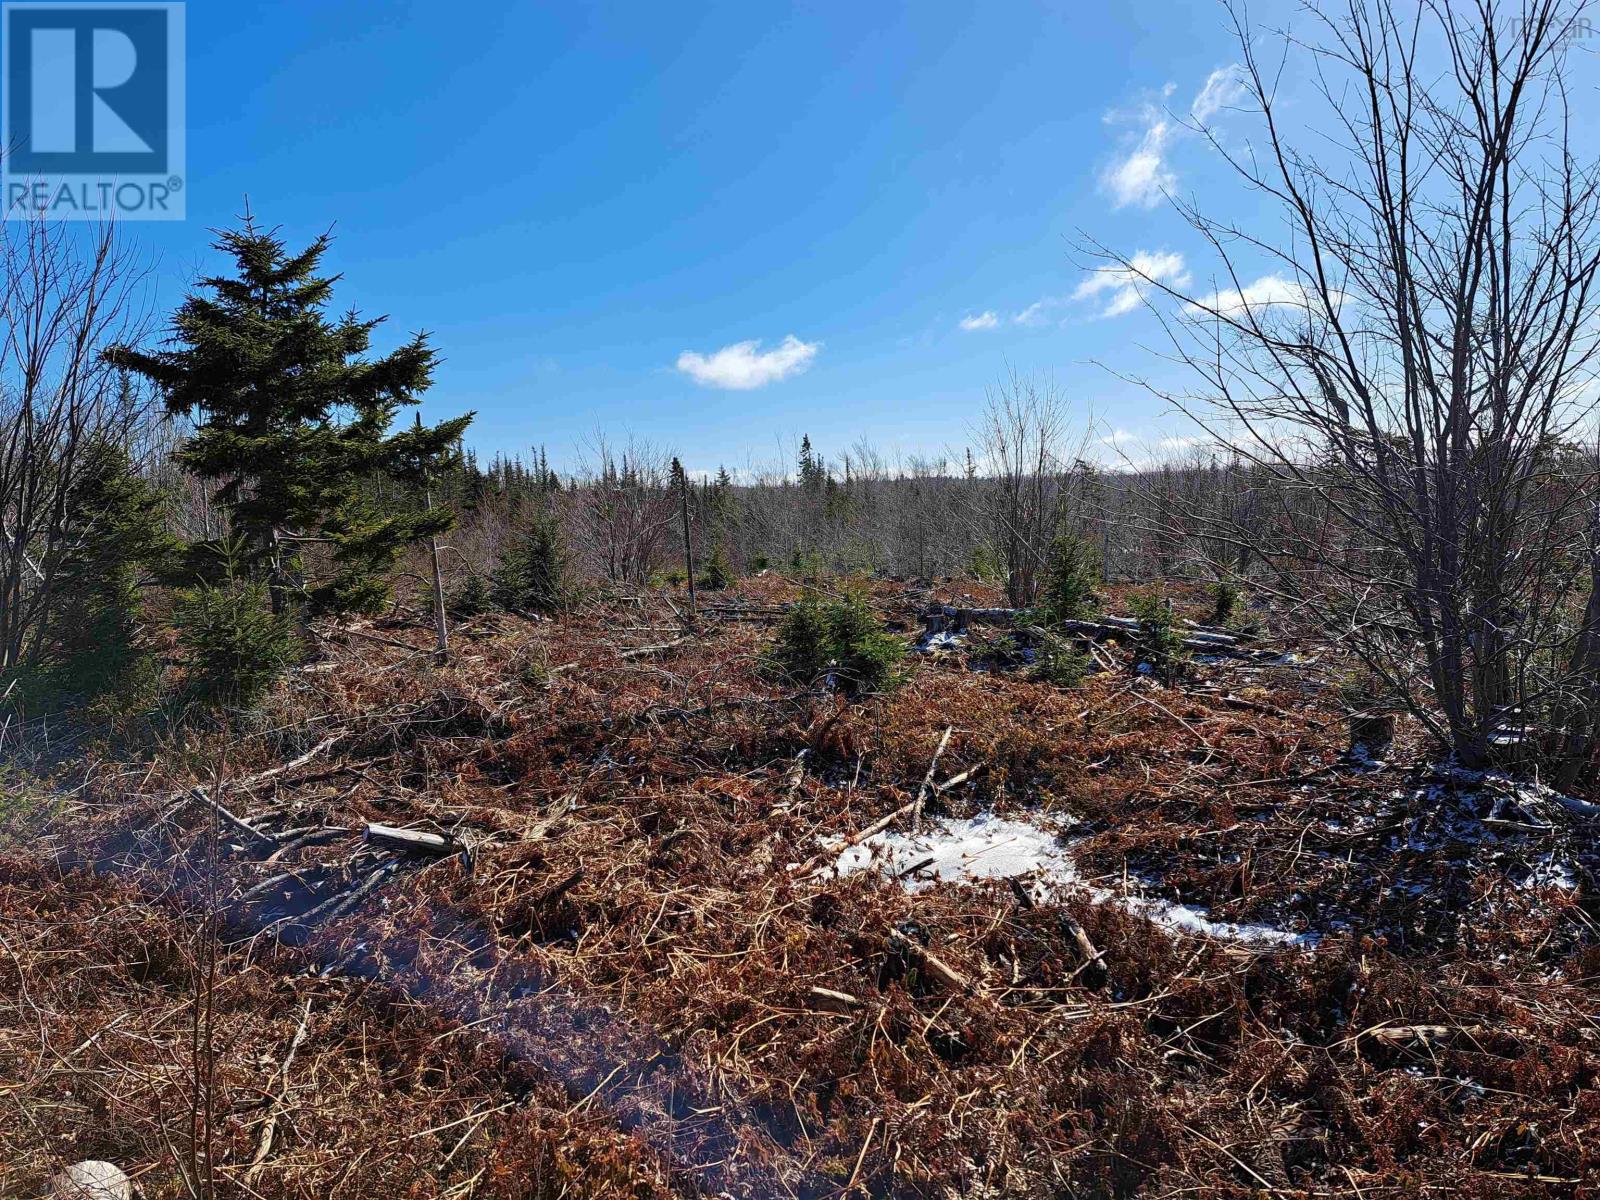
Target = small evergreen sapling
(718,574)
(1057,661)
(1224,602)
(115,525)
(236,647)
(531,577)
(1159,642)
(473,598)
(1069,584)
(836,640)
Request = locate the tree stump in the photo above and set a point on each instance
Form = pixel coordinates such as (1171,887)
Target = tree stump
(1375,731)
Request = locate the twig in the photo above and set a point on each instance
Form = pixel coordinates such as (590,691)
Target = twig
(927,781)
(813,864)
(264,1146)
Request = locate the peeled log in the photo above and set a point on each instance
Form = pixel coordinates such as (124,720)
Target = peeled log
(91,1180)
(942,618)
(411,841)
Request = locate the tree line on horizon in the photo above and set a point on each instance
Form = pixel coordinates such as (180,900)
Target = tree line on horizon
(1403,450)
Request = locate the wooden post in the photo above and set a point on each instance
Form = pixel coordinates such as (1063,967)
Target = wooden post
(440,622)
(688,544)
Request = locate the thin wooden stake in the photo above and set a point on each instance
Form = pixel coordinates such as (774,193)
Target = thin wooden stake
(927,782)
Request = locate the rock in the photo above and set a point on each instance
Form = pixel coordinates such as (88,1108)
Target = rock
(91,1180)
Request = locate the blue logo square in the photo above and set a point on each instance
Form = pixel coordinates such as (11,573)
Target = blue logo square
(93,121)
(87,90)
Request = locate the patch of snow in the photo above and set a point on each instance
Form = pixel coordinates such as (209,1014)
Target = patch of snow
(935,642)
(991,847)
(1358,755)
(1191,920)
(984,847)
(1551,872)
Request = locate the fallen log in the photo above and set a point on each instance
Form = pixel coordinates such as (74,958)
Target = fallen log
(941,618)
(552,894)
(1423,1033)
(233,821)
(412,841)
(956,781)
(815,863)
(269,1127)
(646,651)
(295,929)
(1094,961)
(927,781)
(251,781)
(266,885)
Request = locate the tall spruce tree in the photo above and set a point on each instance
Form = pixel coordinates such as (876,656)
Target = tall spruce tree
(291,418)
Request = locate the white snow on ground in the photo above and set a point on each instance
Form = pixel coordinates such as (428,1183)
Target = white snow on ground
(985,847)
(1551,872)
(991,847)
(1191,920)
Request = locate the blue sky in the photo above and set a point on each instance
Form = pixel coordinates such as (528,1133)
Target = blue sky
(579,199)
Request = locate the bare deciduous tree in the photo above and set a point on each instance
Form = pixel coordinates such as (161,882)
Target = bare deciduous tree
(626,507)
(1413,378)
(1029,460)
(65,293)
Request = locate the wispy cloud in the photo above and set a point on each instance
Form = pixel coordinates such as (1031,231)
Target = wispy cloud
(1119,437)
(1267,292)
(1141,173)
(1034,314)
(1223,88)
(1125,286)
(744,365)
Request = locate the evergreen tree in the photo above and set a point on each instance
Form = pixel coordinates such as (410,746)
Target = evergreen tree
(813,468)
(473,598)
(1068,593)
(292,420)
(532,574)
(718,574)
(115,525)
(234,646)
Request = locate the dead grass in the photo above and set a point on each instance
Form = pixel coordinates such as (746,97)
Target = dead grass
(622,976)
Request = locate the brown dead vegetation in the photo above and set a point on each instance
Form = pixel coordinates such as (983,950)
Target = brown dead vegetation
(633,980)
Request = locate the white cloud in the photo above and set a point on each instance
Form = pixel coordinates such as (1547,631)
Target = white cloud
(1118,437)
(744,365)
(1127,284)
(1223,88)
(1035,315)
(1142,176)
(1266,292)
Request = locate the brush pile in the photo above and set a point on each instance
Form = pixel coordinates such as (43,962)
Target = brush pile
(626,960)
